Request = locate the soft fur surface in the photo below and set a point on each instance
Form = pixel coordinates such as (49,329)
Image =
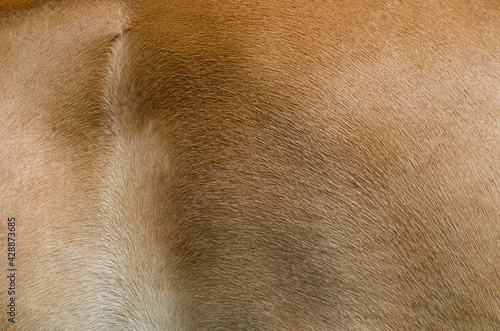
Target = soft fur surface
(260,165)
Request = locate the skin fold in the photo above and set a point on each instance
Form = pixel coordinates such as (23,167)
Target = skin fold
(251,165)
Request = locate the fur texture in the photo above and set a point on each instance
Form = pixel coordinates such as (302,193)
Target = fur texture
(263,165)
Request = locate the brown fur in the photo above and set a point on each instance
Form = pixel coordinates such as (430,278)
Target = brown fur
(264,165)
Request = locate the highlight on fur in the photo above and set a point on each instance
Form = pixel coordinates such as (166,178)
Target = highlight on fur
(260,165)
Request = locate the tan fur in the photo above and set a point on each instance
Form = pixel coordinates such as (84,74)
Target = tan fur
(261,165)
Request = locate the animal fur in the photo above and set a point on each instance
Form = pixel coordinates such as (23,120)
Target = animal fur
(260,165)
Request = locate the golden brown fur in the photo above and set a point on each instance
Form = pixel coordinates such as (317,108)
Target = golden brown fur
(264,165)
